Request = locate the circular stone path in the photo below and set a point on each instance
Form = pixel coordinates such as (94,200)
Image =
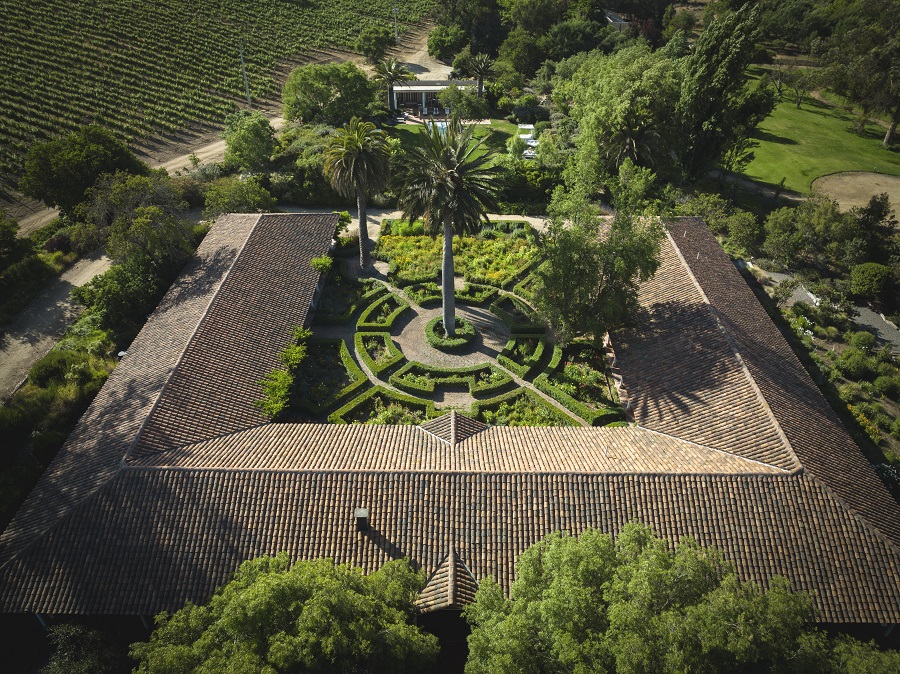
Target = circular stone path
(491,335)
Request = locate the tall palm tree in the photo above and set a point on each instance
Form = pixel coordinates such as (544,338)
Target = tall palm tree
(391,72)
(481,66)
(357,161)
(449,185)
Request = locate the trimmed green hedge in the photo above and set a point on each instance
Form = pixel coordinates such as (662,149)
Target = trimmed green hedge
(376,369)
(359,380)
(531,322)
(600,417)
(340,416)
(476,294)
(424,294)
(492,404)
(431,377)
(465,334)
(364,322)
(527,365)
(322,318)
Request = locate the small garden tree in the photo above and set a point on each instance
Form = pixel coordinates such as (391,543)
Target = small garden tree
(357,161)
(374,41)
(312,616)
(449,185)
(391,72)
(249,140)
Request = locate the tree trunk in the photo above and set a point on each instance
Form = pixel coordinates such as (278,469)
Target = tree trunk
(447,283)
(480,86)
(889,136)
(390,97)
(363,228)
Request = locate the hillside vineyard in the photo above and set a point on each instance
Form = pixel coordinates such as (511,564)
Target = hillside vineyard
(146,68)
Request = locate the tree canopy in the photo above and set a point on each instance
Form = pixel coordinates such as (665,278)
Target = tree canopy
(249,140)
(635,605)
(332,93)
(312,616)
(59,172)
(374,41)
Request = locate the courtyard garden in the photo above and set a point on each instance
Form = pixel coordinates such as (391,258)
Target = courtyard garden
(377,352)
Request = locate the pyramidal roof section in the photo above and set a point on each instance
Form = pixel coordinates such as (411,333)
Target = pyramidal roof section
(453,428)
(452,585)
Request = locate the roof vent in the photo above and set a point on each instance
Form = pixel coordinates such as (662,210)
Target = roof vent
(362,518)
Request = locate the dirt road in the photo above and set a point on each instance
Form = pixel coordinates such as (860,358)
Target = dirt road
(37,328)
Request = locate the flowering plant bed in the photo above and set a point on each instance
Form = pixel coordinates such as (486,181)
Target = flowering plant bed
(378,405)
(377,351)
(578,378)
(523,353)
(519,408)
(381,314)
(327,376)
(420,379)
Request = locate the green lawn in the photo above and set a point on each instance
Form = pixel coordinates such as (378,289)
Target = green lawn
(816,140)
(498,132)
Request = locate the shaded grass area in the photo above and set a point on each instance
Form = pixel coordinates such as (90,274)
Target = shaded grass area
(817,139)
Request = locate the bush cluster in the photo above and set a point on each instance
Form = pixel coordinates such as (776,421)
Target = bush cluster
(437,338)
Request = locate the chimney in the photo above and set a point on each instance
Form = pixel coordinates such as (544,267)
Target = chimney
(362,518)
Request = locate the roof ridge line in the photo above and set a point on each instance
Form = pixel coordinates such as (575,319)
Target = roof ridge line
(164,387)
(163,452)
(797,470)
(737,354)
(418,471)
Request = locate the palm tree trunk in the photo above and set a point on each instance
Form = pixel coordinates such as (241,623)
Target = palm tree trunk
(363,228)
(480,86)
(447,283)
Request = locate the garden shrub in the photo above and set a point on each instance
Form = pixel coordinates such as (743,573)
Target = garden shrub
(343,296)
(572,380)
(322,263)
(277,384)
(424,294)
(379,405)
(55,366)
(519,408)
(381,314)
(862,340)
(854,364)
(889,387)
(869,280)
(522,353)
(475,294)
(436,337)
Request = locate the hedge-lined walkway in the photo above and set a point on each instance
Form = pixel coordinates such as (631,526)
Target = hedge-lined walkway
(493,334)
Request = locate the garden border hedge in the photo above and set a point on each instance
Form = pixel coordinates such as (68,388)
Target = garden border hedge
(599,417)
(340,319)
(447,376)
(430,299)
(527,367)
(484,294)
(360,379)
(465,332)
(367,359)
(337,417)
(480,406)
(364,324)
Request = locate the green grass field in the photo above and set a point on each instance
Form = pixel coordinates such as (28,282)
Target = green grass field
(816,140)
(497,133)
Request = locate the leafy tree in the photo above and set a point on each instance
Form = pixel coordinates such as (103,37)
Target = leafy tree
(357,161)
(573,36)
(589,284)
(445,41)
(634,605)
(113,201)
(449,185)
(717,107)
(150,237)
(521,50)
(9,238)
(233,195)
(533,16)
(59,172)
(374,41)
(783,241)
(464,103)
(330,93)
(869,280)
(312,616)
(249,140)
(515,147)
(79,650)
(390,72)
(744,230)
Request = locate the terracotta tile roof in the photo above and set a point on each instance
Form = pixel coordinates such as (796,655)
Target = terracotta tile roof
(496,449)
(94,451)
(206,485)
(452,585)
(153,538)
(266,293)
(815,433)
(453,428)
(685,378)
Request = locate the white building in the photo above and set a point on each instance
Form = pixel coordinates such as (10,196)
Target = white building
(422,95)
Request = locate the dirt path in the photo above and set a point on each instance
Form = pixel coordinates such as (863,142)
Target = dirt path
(37,328)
